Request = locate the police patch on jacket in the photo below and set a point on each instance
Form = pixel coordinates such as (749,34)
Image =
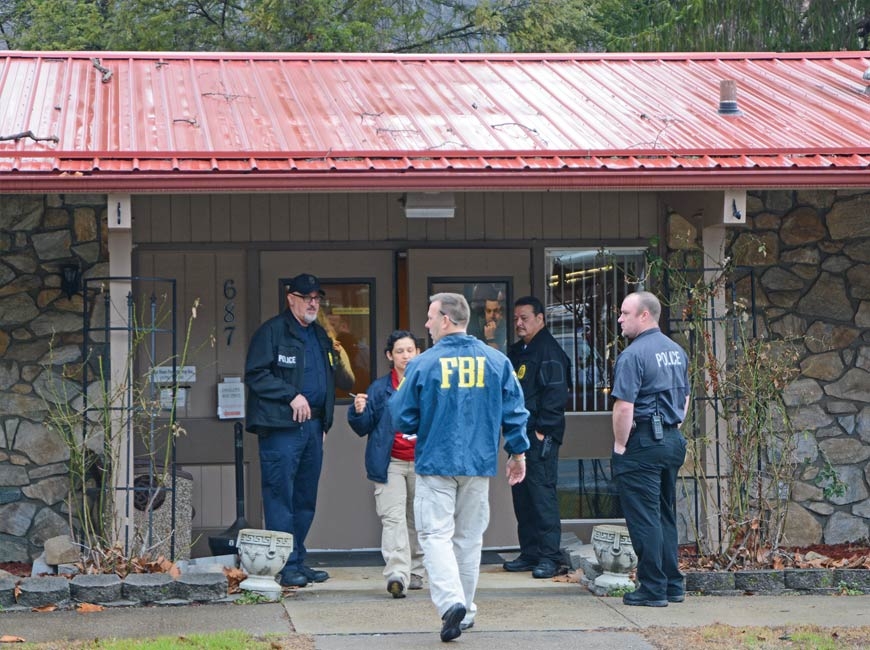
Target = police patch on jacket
(286,360)
(521,371)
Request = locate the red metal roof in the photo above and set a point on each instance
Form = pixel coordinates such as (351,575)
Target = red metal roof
(205,122)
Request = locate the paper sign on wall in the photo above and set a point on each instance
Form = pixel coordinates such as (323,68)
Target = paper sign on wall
(166,398)
(231,398)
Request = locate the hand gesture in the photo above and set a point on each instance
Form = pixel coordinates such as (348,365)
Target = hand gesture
(301,408)
(515,470)
(359,402)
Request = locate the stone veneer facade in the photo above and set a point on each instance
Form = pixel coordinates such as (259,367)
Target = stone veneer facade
(39,326)
(810,250)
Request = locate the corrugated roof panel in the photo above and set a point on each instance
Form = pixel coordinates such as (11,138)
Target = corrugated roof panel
(434,115)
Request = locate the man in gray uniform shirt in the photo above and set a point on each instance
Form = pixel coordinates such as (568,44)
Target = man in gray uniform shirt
(651,389)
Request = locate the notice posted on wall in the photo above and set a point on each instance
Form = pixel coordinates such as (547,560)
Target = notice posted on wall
(231,398)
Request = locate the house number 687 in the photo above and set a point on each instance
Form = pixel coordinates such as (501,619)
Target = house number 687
(229,310)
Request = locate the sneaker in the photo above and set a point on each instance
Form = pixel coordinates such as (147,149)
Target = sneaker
(466,626)
(545,569)
(452,619)
(641,598)
(396,588)
(416,581)
(519,564)
(314,575)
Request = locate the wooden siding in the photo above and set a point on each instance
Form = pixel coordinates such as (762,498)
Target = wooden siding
(214,494)
(573,217)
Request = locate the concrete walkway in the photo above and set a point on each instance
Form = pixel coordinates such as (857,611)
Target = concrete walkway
(353,611)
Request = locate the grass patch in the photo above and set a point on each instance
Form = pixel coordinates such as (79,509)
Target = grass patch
(727,637)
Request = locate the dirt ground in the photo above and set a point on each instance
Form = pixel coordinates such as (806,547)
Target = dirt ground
(726,637)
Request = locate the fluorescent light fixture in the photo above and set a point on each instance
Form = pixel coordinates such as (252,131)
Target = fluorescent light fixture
(429,205)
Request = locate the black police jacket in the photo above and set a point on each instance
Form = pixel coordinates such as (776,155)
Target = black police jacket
(544,371)
(274,370)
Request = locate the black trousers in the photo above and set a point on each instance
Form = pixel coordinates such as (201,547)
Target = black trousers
(536,505)
(647,478)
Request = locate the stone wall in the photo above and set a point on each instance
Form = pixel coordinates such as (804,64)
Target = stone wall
(810,251)
(39,326)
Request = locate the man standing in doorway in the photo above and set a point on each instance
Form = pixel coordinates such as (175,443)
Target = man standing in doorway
(651,389)
(458,397)
(289,374)
(544,371)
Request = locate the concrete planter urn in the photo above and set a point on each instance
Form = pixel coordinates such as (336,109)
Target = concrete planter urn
(262,555)
(615,556)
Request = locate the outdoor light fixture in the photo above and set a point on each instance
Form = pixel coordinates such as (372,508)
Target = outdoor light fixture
(429,205)
(734,207)
(70,279)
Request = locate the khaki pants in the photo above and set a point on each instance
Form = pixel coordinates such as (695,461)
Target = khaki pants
(394,501)
(452,515)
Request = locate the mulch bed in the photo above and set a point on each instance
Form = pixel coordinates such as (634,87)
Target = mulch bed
(852,555)
(22,569)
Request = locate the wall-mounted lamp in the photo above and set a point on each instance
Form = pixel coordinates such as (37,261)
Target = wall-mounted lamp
(734,207)
(70,279)
(429,205)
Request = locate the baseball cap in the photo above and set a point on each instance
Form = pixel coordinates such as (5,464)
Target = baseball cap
(305,284)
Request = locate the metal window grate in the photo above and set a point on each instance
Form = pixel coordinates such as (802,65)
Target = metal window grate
(585,288)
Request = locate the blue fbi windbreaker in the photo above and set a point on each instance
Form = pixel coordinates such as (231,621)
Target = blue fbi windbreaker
(458,396)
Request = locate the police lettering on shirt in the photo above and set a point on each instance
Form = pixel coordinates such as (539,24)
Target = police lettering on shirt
(669,358)
(468,371)
(286,360)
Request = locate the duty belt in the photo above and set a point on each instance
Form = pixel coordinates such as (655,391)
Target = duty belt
(647,422)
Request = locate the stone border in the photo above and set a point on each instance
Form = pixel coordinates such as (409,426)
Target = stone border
(735,583)
(109,590)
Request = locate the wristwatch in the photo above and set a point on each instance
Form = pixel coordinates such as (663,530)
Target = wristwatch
(520,458)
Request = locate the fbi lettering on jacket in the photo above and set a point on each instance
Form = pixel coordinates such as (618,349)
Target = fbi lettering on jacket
(465,372)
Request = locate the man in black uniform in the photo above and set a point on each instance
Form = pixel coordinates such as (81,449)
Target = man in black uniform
(651,389)
(544,372)
(290,375)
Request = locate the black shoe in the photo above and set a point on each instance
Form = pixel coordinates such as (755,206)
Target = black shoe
(545,569)
(395,587)
(314,575)
(641,598)
(450,628)
(676,596)
(520,564)
(292,579)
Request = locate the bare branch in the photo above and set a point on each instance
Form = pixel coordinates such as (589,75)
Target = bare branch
(31,135)
(107,74)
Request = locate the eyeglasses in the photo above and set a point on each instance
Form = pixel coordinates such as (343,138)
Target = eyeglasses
(448,317)
(308,299)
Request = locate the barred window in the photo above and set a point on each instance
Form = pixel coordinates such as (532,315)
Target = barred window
(585,289)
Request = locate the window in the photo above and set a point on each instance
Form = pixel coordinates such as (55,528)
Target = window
(585,288)
(346,315)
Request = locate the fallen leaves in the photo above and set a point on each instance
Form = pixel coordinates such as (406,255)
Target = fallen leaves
(8,638)
(44,609)
(573,576)
(234,578)
(161,565)
(87,608)
(835,556)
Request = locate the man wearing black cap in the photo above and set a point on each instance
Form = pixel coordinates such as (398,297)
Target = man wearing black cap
(289,374)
